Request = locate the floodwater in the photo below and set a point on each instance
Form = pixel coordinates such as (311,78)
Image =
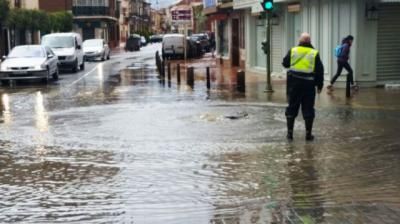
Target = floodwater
(114,145)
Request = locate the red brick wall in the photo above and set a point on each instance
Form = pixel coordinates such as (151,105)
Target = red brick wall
(55,5)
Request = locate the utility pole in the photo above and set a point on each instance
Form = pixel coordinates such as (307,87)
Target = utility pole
(268,6)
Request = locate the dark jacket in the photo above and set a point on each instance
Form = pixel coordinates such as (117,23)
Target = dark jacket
(345,55)
(318,71)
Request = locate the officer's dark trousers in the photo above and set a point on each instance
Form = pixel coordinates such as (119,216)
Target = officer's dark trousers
(300,93)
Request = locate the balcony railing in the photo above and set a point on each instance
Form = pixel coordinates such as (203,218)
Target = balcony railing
(92,11)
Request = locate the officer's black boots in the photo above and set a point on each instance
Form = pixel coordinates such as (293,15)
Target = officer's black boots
(309,126)
(290,126)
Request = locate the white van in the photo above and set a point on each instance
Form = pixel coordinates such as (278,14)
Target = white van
(173,45)
(68,48)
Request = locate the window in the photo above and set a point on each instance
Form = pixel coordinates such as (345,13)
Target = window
(90,3)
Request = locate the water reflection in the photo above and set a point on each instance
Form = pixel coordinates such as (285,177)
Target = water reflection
(41,116)
(5,102)
(307,202)
(63,184)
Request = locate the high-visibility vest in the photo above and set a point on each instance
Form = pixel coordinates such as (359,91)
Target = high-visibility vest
(302,59)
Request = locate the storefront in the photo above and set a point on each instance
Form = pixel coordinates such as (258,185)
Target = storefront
(92,28)
(374,24)
(388,66)
(229,30)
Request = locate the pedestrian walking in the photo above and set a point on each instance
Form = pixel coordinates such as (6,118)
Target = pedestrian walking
(342,52)
(305,75)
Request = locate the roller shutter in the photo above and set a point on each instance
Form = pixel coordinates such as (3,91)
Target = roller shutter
(388,63)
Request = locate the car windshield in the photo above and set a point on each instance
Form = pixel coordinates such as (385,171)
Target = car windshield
(93,43)
(200,36)
(58,42)
(27,52)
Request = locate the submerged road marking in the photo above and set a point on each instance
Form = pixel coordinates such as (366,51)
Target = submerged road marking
(83,76)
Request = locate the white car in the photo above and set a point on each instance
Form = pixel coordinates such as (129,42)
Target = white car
(96,49)
(68,48)
(173,45)
(143,41)
(29,62)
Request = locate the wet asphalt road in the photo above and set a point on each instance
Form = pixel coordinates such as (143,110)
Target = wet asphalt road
(112,145)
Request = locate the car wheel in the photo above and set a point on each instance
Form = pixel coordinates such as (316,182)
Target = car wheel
(103,58)
(108,56)
(82,67)
(46,80)
(75,68)
(55,75)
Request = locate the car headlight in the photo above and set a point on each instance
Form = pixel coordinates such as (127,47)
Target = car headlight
(40,67)
(3,67)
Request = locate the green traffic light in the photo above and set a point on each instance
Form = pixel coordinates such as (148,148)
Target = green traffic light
(268,5)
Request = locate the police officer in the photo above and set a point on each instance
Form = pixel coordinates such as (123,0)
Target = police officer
(305,75)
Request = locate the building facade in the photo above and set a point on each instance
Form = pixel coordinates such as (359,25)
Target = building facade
(375,24)
(228,24)
(97,19)
(140,16)
(55,5)
(124,18)
(156,21)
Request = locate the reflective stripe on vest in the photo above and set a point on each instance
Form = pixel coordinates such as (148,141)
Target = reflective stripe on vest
(302,59)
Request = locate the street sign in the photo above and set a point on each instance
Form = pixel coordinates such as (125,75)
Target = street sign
(181,16)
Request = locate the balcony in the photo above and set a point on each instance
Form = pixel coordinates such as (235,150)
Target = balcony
(92,11)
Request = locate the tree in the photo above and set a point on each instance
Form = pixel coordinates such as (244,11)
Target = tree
(4,10)
(199,18)
(61,21)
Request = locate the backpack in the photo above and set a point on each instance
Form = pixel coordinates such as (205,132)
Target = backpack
(339,50)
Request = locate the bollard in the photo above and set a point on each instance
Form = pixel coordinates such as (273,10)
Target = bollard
(169,74)
(178,73)
(157,61)
(190,77)
(241,81)
(208,78)
(163,69)
(348,94)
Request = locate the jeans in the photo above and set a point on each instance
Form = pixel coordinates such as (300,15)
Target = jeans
(348,68)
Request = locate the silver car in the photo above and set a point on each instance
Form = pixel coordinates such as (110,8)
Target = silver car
(29,62)
(96,49)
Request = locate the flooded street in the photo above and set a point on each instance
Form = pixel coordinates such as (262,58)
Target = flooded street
(112,144)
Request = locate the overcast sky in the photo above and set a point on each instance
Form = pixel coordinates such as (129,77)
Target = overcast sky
(161,3)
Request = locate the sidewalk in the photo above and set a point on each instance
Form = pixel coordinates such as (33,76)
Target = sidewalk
(223,78)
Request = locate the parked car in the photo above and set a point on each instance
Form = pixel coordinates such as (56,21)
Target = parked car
(29,62)
(194,48)
(68,48)
(173,46)
(133,43)
(143,41)
(96,49)
(156,38)
(204,40)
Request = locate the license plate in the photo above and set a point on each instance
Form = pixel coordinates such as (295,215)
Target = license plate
(21,73)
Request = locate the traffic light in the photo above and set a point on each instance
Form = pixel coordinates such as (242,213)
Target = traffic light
(265,47)
(268,5)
